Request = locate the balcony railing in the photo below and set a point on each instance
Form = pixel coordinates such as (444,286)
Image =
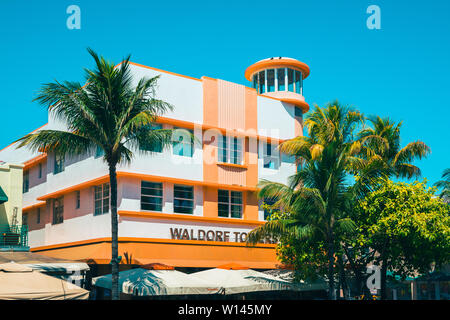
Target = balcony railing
(13,236)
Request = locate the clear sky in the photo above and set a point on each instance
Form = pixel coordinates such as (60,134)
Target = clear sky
(401,71)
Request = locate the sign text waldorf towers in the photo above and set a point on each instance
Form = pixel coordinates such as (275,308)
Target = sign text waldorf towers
(211,235)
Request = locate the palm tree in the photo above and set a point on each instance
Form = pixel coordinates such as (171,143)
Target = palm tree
(383,140)
(109,113)
(444,185)
(316,197)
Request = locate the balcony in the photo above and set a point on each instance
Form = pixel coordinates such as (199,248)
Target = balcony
(13,238)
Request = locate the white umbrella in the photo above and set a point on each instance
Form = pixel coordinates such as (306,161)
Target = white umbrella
(143,282)
(18,282)
(242,280)
(288,275)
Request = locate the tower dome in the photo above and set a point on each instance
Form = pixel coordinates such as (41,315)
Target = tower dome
(281,78)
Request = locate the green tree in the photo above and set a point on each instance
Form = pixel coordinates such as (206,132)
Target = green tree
(383,140)
(315,200)
(406,226)
(444,184)
(109,113)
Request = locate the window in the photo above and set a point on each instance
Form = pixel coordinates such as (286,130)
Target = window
(281,79)
(101,199)
(298,112)
(298,81)
(59,164)
(183,143)
(26,181)
(183,199)
(229,204)
(152,146)
(38,216)
(262,82)
(255,81)
(25,219)
(290,80)
(40,171)
(58,210)
(271,80)
(271,156)
(77,199)
(230,150)
(151,196)
(99,152)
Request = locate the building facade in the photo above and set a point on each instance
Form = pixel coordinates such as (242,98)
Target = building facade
(191,205)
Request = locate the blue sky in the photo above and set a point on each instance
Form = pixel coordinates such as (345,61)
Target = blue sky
(401,71)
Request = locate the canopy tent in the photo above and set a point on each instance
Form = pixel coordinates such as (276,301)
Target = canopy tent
(42,263)
(143,282)
(288,275)
(238,279)
(18,282)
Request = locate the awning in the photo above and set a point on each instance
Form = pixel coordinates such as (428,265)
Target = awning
(288,275)
(19,282)
(242,280)
(43,263)
(143,282)
(3,196)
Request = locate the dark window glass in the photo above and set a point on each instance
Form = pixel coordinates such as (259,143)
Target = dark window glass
(152,145)
(59,164)
(270,80)
(297,81)
(151,196)
(183,199)
(78,200)
(298,112)
(229,204)
(291,80)
(262,82)
(101,196)
(26,181)
(58,210)
(281,79)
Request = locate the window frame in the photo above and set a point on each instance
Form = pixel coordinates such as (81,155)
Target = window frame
(230,204)
(191,200)
(152,196)
(230,150)
(26,181)
(59,163)
(190,144)
(271,155)
(102,188)
(58,211)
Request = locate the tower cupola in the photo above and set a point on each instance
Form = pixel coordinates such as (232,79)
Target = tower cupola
(281,78)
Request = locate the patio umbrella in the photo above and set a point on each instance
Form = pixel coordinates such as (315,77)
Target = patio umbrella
(238,279)
(18,282)
(143,282)
(288,275)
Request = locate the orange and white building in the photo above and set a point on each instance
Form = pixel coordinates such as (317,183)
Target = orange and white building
(191,205)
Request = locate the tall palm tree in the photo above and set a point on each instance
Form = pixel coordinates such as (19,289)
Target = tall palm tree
(316,197)
(444,185)
(109,113)
(383,140)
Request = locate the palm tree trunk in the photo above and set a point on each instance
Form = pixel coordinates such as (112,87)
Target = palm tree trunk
(114,234)
(331,283)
